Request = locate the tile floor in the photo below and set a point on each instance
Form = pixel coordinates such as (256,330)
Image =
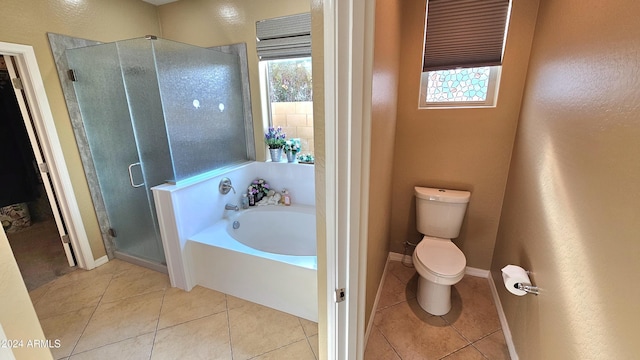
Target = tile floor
(122,311)
(402,330)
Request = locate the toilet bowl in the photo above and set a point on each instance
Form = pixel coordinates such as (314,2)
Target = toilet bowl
(440,265)
(438,261)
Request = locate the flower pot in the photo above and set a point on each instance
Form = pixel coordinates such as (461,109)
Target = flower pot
(291,156)
(276,154)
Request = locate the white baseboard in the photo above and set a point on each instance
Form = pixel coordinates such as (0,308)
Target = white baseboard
(476,272)
(375,302)
(101,261)
(399,257)
(503,320)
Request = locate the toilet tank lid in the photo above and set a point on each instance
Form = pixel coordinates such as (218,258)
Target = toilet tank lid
(443,195)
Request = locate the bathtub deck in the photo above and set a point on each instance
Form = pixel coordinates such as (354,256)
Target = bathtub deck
(283,282)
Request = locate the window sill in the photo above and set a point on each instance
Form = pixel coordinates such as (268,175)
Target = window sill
(284,161)
(457,106)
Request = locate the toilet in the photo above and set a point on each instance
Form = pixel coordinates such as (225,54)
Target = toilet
(438,261)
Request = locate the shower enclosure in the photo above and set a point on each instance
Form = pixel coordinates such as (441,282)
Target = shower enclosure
(154,111)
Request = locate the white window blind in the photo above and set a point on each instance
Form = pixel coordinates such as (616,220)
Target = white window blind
(464,33)
(284,37)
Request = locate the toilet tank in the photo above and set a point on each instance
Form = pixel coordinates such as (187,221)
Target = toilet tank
(439,212)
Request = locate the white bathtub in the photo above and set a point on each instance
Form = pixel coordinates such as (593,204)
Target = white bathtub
(270,259)
(285,230)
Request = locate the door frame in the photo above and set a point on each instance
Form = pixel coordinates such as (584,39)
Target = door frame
(44,128)
(348,75)
(33,141)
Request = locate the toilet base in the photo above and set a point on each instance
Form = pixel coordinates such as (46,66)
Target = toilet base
(433,298)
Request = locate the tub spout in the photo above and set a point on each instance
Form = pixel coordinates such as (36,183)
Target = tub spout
(231,207)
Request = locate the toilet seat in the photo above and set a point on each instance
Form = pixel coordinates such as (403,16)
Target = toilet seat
(439,261)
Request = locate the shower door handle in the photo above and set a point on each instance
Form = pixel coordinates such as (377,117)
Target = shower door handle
(131,176)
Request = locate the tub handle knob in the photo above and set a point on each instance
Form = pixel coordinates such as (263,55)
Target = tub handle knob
(225,186)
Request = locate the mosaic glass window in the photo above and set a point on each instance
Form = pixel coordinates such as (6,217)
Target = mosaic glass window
(458,85)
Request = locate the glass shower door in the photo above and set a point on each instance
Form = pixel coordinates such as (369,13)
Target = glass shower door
(108,126)
(202,101)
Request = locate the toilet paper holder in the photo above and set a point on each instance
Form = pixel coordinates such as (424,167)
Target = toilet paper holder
(517,281)
(528,288)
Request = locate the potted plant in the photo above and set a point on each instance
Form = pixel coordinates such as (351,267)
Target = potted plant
(291,148)
(275,139)
(305,159)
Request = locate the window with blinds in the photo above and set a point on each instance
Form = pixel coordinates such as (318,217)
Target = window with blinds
(284,50)
(284,37)
(463,50)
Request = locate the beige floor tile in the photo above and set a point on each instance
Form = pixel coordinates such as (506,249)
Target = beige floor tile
(81,274)
(37,293)
(180,306)
(136,348)
(402,272)
(71,296)
(205,338)
(394,292)
(257,329)
(123,266)
(235,302)
(313,341)
(135,281)
(414,334)
(67,328)
(378,348)
(310,328)
(299,350)
(467,353)
(119,320)
(473,312)
(493,346)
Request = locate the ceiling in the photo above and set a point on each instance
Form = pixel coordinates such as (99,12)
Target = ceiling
(159,2)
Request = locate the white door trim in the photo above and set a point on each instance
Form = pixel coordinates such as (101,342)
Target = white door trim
(33,140)
(348,58)
(45,130)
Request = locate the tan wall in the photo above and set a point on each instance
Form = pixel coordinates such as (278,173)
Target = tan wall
(383,125)
(466,149)
(221,22)
(28,21)
(296,119)
(17,316)
(572,205)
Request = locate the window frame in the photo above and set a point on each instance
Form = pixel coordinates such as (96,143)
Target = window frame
(265,97)
(491,100)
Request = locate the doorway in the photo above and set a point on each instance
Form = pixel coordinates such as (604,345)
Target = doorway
(28,211)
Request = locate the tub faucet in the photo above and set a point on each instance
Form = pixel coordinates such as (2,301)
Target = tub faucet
(225,186)
(231,207)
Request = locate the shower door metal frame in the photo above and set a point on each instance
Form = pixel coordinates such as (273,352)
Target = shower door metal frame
(59,44)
